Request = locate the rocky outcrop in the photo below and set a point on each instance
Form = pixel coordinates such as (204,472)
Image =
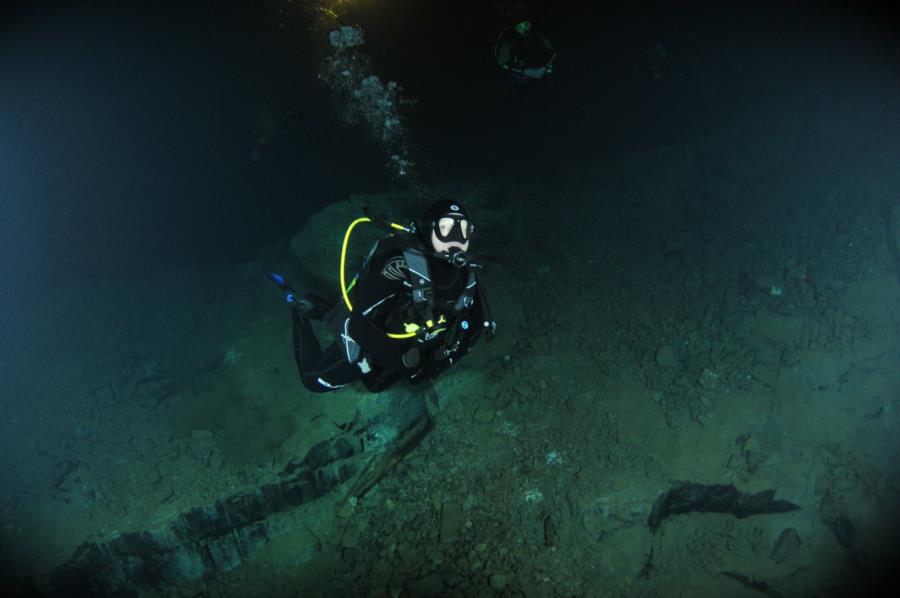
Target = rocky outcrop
(209,540)
(715,498)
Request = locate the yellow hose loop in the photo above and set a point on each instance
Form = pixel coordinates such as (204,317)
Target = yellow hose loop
(344,259)
(344,266)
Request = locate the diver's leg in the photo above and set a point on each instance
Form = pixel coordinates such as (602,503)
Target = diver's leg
(320,372)
(319,308)
(332,371)
(306,346)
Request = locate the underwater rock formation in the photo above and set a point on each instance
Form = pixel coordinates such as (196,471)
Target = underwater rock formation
(209,540)
(716,498)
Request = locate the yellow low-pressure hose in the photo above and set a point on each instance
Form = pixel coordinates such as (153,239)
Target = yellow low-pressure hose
(344,259)
(344,265)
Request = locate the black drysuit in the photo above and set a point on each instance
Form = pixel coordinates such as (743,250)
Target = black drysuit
(382,303)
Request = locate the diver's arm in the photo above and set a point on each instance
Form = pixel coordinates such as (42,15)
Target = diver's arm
(376,290)
(548,44)
(552,49)
(441,362)
(502,52)
(476,318)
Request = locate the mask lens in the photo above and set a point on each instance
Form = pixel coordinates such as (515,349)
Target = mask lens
(454,228)
(445,225)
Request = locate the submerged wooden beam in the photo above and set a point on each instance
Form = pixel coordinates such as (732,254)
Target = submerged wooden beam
(206,541)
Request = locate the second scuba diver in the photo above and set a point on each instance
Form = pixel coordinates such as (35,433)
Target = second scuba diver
(414,310)
(524,53)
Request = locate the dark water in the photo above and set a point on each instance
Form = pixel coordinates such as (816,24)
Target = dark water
(129,131)
(694,230)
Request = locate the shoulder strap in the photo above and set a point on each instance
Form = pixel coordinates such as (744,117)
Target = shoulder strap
(467,297)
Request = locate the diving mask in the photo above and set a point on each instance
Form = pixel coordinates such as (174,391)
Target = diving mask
(454,228)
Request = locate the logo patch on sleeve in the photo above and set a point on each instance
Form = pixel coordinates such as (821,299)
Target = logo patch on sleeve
(395,269)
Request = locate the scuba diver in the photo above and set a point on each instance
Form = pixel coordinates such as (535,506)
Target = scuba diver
(415,309)
(524,53)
